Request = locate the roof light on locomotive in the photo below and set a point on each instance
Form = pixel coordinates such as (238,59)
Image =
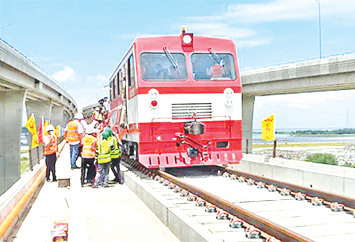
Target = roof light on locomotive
(186,38)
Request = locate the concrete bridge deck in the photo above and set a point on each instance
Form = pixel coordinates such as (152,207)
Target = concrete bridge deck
(103,214)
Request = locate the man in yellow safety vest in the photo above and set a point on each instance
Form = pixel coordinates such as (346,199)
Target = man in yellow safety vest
(103,155)
(115,156)
(88,154)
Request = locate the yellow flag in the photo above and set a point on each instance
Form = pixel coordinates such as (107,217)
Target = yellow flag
(268,128)
(46,123)
(31,126)
(57,131)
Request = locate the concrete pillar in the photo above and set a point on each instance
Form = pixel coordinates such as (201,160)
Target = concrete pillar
(57,116)
(248,110)
(66,116)
(11,109)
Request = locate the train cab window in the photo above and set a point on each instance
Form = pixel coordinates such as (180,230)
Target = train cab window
(213,66)
(117,80)
(131,74)
(163,66)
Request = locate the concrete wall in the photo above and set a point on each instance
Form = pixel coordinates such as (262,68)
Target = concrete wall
(11,109)
(334,179)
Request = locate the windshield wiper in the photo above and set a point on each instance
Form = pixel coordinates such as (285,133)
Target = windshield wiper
(216,58)
(171,58)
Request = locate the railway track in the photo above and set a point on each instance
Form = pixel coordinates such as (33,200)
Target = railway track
(257,208)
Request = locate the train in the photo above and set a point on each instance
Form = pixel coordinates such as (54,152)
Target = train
(177,102)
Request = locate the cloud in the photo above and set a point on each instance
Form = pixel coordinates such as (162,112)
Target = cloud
(99,79)
(64,75)
(241,22)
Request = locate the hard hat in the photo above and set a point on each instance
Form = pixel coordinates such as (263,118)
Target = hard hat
(90,129)
(49,128)
(105,135)
(109,130)
(97,109)
(78,116)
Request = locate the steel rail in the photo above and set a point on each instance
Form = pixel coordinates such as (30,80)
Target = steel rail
(259,222)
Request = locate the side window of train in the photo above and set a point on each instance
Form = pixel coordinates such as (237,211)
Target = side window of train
(131,71)
(112,90)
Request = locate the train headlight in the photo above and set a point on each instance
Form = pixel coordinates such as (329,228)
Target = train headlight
(228,97)
(153,95)
(187,39)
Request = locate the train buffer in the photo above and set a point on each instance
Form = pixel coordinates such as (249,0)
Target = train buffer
(104,214)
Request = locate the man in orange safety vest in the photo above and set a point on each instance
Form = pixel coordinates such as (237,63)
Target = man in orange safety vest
(73,135)
(50,152)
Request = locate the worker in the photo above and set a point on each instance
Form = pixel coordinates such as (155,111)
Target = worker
(115,156)
(73,135)
(50,152)
(216,71)
(103,155)
(88,156)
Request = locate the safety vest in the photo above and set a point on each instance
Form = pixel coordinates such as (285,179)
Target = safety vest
(104,152)
(97,115)
(72,132)
(116,153)
(52,146)
(89,147)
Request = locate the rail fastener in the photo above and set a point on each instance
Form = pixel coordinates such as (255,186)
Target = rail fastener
(316,201)
(241,179)
(299,196)
(233,177)
(200,202)
(252,233)
(250,182)
(235,222)
(284,191)
(177,189)
(271,188)
(210,208)
(226,174)
(221,214)
(260,184)
(191,197)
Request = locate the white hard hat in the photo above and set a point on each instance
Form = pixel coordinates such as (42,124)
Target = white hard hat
(78,116)
(90,129)
(49,128)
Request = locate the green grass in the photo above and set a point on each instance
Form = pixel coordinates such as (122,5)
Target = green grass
(24,165)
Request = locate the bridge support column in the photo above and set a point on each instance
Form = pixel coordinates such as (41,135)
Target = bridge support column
(248,110)
(57,116)
(11,110)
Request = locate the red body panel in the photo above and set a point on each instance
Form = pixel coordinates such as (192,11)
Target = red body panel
(157,146)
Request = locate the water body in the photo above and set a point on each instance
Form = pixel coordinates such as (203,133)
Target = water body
(283,138)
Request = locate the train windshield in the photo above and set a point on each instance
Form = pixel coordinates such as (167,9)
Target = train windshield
(163,66)
(213,66)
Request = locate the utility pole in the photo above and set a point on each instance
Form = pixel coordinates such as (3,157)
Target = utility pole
(319,30)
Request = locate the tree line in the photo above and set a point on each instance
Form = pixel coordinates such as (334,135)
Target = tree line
(335,131)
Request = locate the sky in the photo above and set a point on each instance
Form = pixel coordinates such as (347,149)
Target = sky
(80,42)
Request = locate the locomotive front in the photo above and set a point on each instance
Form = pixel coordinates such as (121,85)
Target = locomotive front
(188,105)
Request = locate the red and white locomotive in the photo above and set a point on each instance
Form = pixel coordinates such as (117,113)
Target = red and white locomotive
(179,99)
